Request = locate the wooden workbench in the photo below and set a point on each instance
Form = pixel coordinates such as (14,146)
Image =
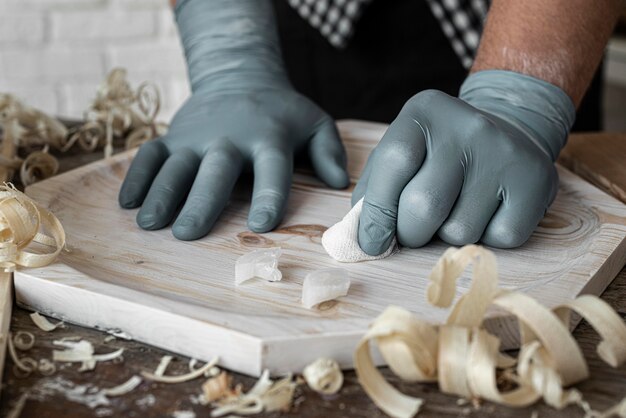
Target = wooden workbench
(597,157)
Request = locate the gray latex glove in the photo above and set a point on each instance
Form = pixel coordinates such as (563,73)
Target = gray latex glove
(477,167)
(243,113)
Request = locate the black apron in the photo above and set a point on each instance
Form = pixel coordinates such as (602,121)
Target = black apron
(398,49)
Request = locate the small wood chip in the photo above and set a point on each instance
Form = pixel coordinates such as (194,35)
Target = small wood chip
(180,378)
(124,388)
(43,323)
(81,352)
(162,367)
(217,387)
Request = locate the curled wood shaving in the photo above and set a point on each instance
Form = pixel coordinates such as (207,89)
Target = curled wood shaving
(463,357)
(43,323)
(265,395)
(26,127)
(21,364)
(124,388)
(117,112)
(31,365)
(180,378)
(46,367)
(24,340)
(324,376)
(81,352)
(38,165)
(22,223)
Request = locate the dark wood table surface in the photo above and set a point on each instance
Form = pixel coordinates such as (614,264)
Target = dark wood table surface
(599,158)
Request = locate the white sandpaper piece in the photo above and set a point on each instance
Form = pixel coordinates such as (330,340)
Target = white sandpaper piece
(341,240)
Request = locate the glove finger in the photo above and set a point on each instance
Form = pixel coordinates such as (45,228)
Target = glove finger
(328,155)
(273,169)
(398,157)
(525,200)
(472,211)
(361,185)
(168,190)
(142,171)
(219,170)
(427,200)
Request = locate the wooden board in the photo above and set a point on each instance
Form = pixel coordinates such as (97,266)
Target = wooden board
(181,295)
(6,305)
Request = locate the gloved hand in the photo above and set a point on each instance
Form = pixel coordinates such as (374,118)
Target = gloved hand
(477,167)
(243,113)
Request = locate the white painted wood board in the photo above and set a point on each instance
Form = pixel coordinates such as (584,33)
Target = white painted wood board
(181,295)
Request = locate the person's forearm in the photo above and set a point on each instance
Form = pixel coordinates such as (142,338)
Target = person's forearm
(230,44)
(558,41)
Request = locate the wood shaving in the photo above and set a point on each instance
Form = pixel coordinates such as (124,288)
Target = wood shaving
(24,126)
(38,165)
(16,411)
(43,323)
(81,352)
(24,340)
(217,388)
(46,367)
(165,361)
(212,372)
(463,357)
(126,387)
(28,365)
(117,112)
(19,363)
(265,395)
(109,356)
(22,223)
(85,394)
(180,378)
(324,376)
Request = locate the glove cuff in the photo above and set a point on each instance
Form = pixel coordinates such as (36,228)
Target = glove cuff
(540,109)
(230,44)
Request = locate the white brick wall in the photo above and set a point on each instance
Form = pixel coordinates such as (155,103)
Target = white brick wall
(54,53)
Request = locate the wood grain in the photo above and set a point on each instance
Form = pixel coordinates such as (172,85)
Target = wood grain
(181,295)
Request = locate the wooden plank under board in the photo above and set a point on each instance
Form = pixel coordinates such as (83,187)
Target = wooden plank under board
(181,295)
(6,304)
